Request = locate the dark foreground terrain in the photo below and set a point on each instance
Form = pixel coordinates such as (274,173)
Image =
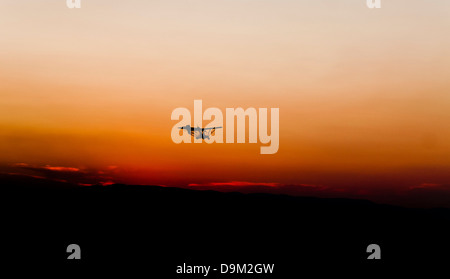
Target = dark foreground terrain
(160,228)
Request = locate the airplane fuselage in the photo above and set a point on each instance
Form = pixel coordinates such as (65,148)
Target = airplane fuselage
(201,131)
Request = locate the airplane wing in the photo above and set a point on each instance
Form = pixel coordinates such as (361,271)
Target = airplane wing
(212,128)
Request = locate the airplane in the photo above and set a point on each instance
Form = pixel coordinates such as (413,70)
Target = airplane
(200,133)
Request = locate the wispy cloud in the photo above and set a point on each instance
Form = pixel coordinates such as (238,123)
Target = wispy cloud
(426,186)
(70,174)
(236,183)
(63,169)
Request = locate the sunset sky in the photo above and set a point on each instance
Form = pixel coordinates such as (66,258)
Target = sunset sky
(364,94)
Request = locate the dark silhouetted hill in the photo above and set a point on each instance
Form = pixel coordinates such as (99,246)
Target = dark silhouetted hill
(164,227)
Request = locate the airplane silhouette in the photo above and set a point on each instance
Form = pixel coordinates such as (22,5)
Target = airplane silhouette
(200,133)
